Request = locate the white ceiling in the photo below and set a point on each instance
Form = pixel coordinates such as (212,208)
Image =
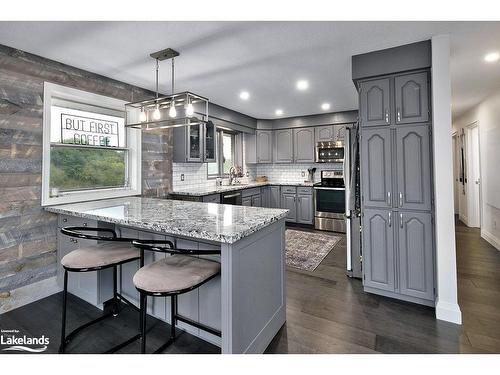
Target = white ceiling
(219,59)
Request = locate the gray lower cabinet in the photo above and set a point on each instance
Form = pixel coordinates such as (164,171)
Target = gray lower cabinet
(283,146)
(375,103)
(288,202)
(376,169)
(213,198)
(416,259)
(251,197)
(303,145)
(265,193)
(264,146)
(305,208)
(247,201)
(274,197)
(411,93)
(256,201)
(378,249)
(413,171)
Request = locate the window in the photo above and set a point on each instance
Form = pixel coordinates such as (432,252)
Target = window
(88,152)
(224,156)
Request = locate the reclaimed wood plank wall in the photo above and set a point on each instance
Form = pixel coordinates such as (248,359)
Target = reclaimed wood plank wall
(27,232)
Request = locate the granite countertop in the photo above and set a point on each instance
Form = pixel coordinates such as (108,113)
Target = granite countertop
(207,221)
(200,191)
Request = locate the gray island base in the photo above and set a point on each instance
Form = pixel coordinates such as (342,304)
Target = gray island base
(246,302)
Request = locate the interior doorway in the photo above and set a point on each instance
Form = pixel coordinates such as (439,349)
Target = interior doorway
(473,176)
(456,172)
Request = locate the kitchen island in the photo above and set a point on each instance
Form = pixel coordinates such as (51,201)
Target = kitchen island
(247,301)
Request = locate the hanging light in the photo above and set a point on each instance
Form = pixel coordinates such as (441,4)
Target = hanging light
(189,108)
(172,112)
(142,115)
(156,113)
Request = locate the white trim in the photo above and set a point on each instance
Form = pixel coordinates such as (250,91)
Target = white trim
(491,238)
(449,312)
(51,90)
(463,219)
(470,172)
(29,293)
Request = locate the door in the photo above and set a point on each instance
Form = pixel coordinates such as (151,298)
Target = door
(413,168)
(209,142)
(416,260)
(256,201)
(374,102)
(266,196)
(194,134)
(247,201)
(412,98)
(288,202)
(264,146)
(274,197)
(324,133)
(473,178)
(283,146)
(303,150)
(305,209)
(376,173)
(378,249)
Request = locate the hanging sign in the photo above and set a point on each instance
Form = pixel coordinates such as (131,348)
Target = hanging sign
(88,131)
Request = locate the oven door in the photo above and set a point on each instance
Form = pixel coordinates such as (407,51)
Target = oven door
(329,154)
(329,202)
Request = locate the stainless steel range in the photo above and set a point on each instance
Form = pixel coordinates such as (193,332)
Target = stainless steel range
(329,202)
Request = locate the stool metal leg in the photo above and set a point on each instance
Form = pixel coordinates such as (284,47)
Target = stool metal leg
(173,313)
(144,305)
(62,347)
(115,292)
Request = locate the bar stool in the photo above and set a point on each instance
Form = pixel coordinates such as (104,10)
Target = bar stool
(174,275)
(112,253)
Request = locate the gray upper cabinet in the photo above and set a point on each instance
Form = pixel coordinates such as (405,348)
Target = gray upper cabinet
(375,106)
(209,144)
(416,270)
(274,197)
(305,208)
(413,168)
(283,146)
(264,139)
(412,98)
(324,133)
(376,172)
(378,249)
(288,202)
(303,145)
(250,148)
(195,143)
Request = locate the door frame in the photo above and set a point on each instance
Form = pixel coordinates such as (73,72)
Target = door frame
(456,171)
(471,171)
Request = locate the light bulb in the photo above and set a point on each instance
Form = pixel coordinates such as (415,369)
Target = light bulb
(172,112)
(142,116)
(156,113)
(189,110)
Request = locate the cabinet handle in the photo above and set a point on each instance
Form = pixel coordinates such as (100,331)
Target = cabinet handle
(387,115)
(390,219)
(400,199)
(389,198)
(401,220)
(85,224)
(65,220)
(399,115)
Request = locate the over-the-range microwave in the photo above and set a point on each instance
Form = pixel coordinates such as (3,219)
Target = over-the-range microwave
(329,152)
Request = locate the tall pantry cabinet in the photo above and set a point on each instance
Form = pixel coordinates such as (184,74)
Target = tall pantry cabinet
(396,186)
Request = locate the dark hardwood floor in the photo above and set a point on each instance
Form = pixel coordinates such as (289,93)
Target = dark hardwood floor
(327,312)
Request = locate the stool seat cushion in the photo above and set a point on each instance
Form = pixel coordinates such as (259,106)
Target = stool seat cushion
(101,255)
(174,273)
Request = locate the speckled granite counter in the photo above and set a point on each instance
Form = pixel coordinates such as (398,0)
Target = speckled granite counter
(206,221)
(200,191)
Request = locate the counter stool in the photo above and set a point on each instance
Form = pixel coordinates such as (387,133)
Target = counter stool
(112,253)
(176,274)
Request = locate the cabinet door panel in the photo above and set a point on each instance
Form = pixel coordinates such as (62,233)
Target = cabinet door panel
(288,203)
(413,168)
(303,150)
(194,136)
(324,133)
(275,197)
(376,167)
(305,209)
(256,201)
(374,103)
(247,201)
(210,142)
(264,146)
(283,146)
(378,249)
(412,98)
(416,270)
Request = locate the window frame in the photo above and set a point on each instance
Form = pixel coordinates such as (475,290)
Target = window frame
(133,141)
(219,151)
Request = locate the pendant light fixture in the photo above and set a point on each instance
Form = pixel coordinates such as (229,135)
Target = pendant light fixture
(161,111)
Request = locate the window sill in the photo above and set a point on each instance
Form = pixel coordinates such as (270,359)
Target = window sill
(78,197)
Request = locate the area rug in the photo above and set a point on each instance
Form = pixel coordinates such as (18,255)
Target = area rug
(306,250)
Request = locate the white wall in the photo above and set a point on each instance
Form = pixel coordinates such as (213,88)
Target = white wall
(487,115)
(446,269)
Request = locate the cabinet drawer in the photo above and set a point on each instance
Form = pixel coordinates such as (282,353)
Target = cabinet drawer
(289,189)
(214,198)
(249,192)
(66,220)
(304,190)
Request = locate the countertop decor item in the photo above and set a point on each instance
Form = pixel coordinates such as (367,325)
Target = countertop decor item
(261,179)
(176,109)
(306,250)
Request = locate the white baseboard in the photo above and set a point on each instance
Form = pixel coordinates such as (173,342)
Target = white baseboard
(491,238)
(449,312)
(463,219)
(29,293)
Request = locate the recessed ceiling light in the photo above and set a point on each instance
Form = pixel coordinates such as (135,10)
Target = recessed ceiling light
(278,112)
(302,84)
(325,106)
(244,95)
(491,57)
